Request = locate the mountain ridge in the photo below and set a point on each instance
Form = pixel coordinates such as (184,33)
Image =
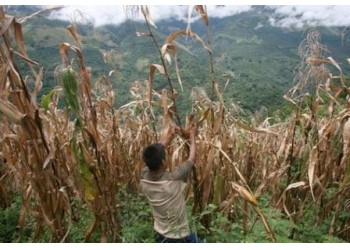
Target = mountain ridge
(258,59)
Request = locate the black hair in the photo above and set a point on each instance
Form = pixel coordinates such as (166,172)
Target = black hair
(153,156)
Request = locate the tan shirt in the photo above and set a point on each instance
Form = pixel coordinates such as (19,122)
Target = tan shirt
(165,194)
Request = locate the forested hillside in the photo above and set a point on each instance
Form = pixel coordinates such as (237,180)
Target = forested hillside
(259,60)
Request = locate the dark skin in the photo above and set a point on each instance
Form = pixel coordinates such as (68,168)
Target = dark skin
(166,139)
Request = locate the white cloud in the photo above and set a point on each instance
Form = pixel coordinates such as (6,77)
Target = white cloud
(115,14)
(326,15)
(286,15)
(100,14)
(227,10)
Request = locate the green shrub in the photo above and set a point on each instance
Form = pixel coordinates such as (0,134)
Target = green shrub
(8,222)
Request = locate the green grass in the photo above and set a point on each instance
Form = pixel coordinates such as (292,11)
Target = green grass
(137,224)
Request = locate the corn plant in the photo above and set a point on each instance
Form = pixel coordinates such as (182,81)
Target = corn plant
(60,159)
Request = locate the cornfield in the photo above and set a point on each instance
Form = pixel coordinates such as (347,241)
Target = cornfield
(60,159)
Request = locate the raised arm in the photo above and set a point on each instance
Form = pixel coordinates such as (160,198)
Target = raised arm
(183,172)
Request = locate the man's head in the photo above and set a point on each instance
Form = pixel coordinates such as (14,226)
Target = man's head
(153,156)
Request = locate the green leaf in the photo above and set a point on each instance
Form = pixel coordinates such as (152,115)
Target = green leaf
(45,100)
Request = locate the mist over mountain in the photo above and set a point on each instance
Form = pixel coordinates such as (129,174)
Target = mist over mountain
(255,57)
(296,16)
(21,9)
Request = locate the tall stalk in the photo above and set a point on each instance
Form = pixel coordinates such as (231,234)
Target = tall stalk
(145,12)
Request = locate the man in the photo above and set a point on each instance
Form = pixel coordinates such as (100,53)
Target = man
(164,190)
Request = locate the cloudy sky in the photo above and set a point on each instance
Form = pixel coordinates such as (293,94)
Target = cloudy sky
(296,15)
(117,14)
(106,11)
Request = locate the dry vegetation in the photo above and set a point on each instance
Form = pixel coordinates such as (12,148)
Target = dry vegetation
(59,159)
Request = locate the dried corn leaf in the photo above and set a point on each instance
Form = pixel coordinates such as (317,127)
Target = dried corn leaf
(176,155)
(203,12)
(204,116)
(313,160)
(152,70)
(164,99)
(19,38)
(47,160)
(178,33)
(210,162)
(72,30)
(256,130)
(24,19)
(335,64)
(4,83)
(89,159)
(178,72)
(235,167)
(346,134)
(189,15)
(218,122)
(64,47)
(316,61)
(244,193)
(167,51)
(6,23)
(11,111)
(146,13)
(38,86)
(295,185)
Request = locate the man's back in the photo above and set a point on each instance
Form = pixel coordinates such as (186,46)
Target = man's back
(164,190)
(165,194)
